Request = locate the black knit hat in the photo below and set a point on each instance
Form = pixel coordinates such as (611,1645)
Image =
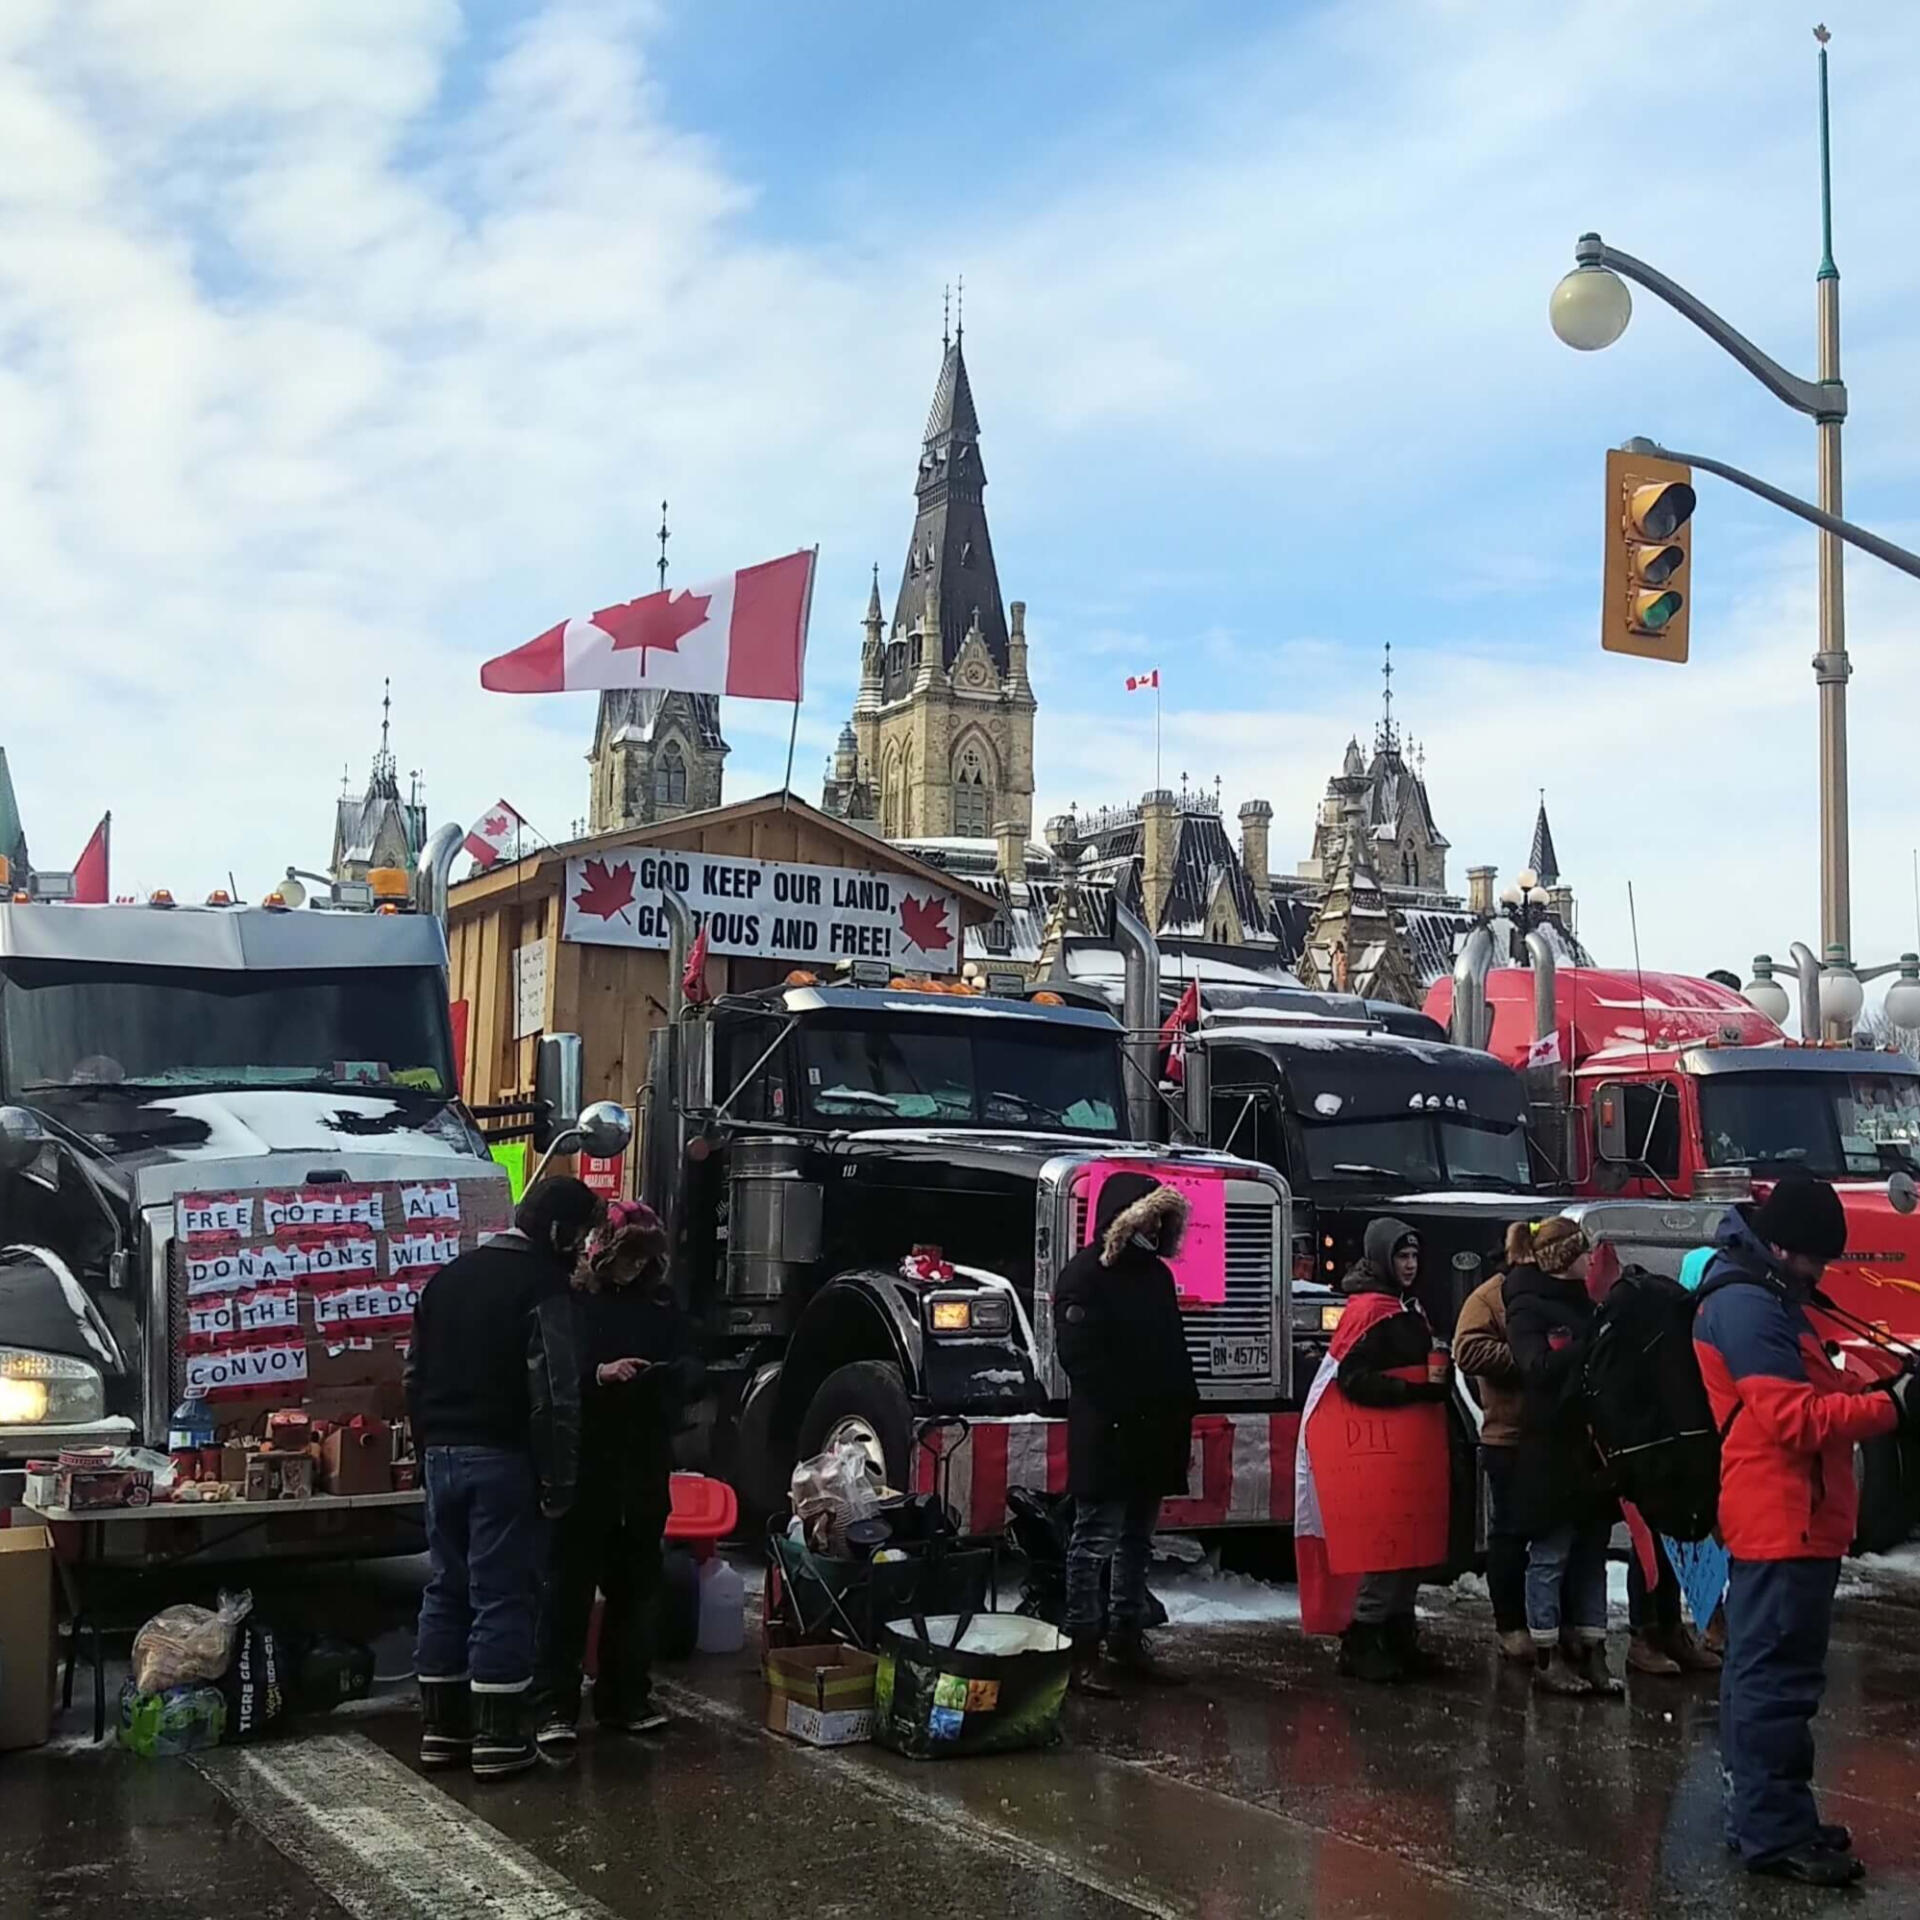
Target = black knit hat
(1803,1215)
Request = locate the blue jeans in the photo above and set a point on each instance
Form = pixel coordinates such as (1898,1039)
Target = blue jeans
(1779,1617)
(487,1542)
(1567,1584)
(1116,1533)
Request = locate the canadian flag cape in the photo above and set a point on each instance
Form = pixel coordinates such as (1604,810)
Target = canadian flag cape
(1370,1484)
(745,635)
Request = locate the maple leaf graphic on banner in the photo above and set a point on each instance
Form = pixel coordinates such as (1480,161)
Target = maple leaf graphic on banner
(924,923)
(656,620)
(607,892)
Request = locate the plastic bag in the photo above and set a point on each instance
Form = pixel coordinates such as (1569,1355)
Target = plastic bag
(832,1491)
(180,1720)
(183,1644)
(145,1460)
(328,1670)
(255,1683)
(975,1683)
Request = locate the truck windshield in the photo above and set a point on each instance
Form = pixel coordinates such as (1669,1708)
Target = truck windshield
(68,1025)
(1829,1123)
(962,1072)
(1425,1150)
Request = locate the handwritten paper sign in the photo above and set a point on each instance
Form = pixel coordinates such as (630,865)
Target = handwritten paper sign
(431,1200)
(1200,1267)
(212,1216)
(389,1300)
(246,1369)
(419,1254)
(323,1210)
(1382,1478)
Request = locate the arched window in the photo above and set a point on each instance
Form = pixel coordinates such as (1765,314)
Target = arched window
(1410,866)
(670,777)
(972,794)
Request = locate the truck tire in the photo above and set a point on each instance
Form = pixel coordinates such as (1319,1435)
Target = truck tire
(867,1402)
(1880,1470)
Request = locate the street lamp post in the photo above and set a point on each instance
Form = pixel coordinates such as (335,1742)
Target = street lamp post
(1590,309)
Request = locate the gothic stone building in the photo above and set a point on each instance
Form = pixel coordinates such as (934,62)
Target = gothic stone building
(654,757)
(378,828)
(940,744)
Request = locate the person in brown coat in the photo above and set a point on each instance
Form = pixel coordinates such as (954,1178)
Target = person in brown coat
(1481,1352)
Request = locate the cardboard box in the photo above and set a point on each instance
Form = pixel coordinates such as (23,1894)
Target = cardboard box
(358,1460)
(26,1635)
(823,1695)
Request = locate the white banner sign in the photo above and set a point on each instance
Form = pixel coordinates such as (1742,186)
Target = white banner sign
(770,909)
(436,1200)
(235,1269)
(421,1253)
(245,1368)
(391,1300)
(323,1207)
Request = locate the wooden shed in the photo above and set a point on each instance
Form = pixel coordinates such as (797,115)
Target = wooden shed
(572,939)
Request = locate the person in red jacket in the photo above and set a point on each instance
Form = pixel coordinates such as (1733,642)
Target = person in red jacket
(1789,1421)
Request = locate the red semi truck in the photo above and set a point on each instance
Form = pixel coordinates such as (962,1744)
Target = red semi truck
(1659,1085)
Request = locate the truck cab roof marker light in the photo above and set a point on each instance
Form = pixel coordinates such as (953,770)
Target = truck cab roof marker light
(160,897)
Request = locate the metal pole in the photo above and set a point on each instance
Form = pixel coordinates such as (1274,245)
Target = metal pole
(1831,666)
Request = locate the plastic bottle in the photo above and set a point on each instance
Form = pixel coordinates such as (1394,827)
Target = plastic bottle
(723,1607)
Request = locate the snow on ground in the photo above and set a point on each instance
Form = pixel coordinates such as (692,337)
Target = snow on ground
(1203,1596)
(1883,1575)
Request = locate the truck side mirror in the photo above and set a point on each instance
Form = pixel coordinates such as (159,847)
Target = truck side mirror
(1902,1194)
(605,1129)
(694,1039)
(1610,1140)
(557,1076)
(21,1138)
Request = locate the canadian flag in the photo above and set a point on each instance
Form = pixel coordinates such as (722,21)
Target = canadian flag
(1173,1036)
(1140,682)
(494,833)
(90,870)
(745,635)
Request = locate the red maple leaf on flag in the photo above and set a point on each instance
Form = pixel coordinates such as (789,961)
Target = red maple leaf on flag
(924,922)
(656,620)
(608,890)
(495,826)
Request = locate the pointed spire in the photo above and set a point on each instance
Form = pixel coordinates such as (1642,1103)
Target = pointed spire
(1542,859)
(664,537)
(1386,738)
(874,615)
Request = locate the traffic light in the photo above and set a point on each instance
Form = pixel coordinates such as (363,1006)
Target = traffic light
(1644,598)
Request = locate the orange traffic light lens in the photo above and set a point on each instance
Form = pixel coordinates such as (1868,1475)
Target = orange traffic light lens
(1652,611)
(1655,566)
(1660,510)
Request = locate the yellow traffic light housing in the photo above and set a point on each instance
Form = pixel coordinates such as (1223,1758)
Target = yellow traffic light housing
(1645,593)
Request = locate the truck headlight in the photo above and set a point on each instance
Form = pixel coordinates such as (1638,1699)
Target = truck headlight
(969,1313)
(1330,1318)
(48,1389)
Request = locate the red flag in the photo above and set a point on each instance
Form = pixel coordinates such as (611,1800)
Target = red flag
(90,870)
(1173,1034)
(693,982)
(493,833)
(745,635)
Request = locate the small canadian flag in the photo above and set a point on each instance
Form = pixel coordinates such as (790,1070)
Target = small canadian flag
(495,834)
(1140,682)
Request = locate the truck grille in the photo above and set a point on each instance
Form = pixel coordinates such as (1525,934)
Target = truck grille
(1247,1312)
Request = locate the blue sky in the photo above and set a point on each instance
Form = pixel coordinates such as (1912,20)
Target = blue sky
(360,337)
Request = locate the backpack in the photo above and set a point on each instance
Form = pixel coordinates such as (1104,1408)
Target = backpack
(1648,1408)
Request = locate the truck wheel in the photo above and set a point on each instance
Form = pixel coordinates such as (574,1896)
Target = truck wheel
(1886,1499)
(865,1403)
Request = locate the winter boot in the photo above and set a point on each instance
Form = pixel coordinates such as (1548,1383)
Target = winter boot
(1127,1649)
(1090,1673)
(1367,1654)
(558,1735)
(1417,1662)
(1517,1644)
(501,1742)
(1647,1653)
(1688,1654)
(1555,1671)
(446,1723)
(1812,1865)
(1592,1659)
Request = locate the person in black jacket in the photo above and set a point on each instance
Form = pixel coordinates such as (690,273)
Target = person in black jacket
(1560,1491)
(1130,1409)
(1390,1365)
(637,1372)
(493,1391)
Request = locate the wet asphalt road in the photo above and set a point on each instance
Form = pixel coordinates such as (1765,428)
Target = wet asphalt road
(1267,1787)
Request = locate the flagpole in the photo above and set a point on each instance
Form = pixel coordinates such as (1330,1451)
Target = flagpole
(106,849)
(799,682)
(1156,729)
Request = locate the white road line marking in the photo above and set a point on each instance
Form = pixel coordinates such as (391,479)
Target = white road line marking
(383,1843)
(925,1807)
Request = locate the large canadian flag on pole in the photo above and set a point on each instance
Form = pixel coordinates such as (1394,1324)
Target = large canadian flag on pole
(745,635)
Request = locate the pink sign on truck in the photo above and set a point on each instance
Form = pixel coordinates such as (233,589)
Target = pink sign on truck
(1200,1267)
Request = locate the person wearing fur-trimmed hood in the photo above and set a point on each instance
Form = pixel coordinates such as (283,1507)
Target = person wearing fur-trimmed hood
(1130,1410)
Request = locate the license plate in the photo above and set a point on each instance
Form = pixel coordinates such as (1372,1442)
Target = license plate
(1230,1359)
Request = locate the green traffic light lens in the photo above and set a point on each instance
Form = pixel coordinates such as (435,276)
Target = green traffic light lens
(1652,611)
